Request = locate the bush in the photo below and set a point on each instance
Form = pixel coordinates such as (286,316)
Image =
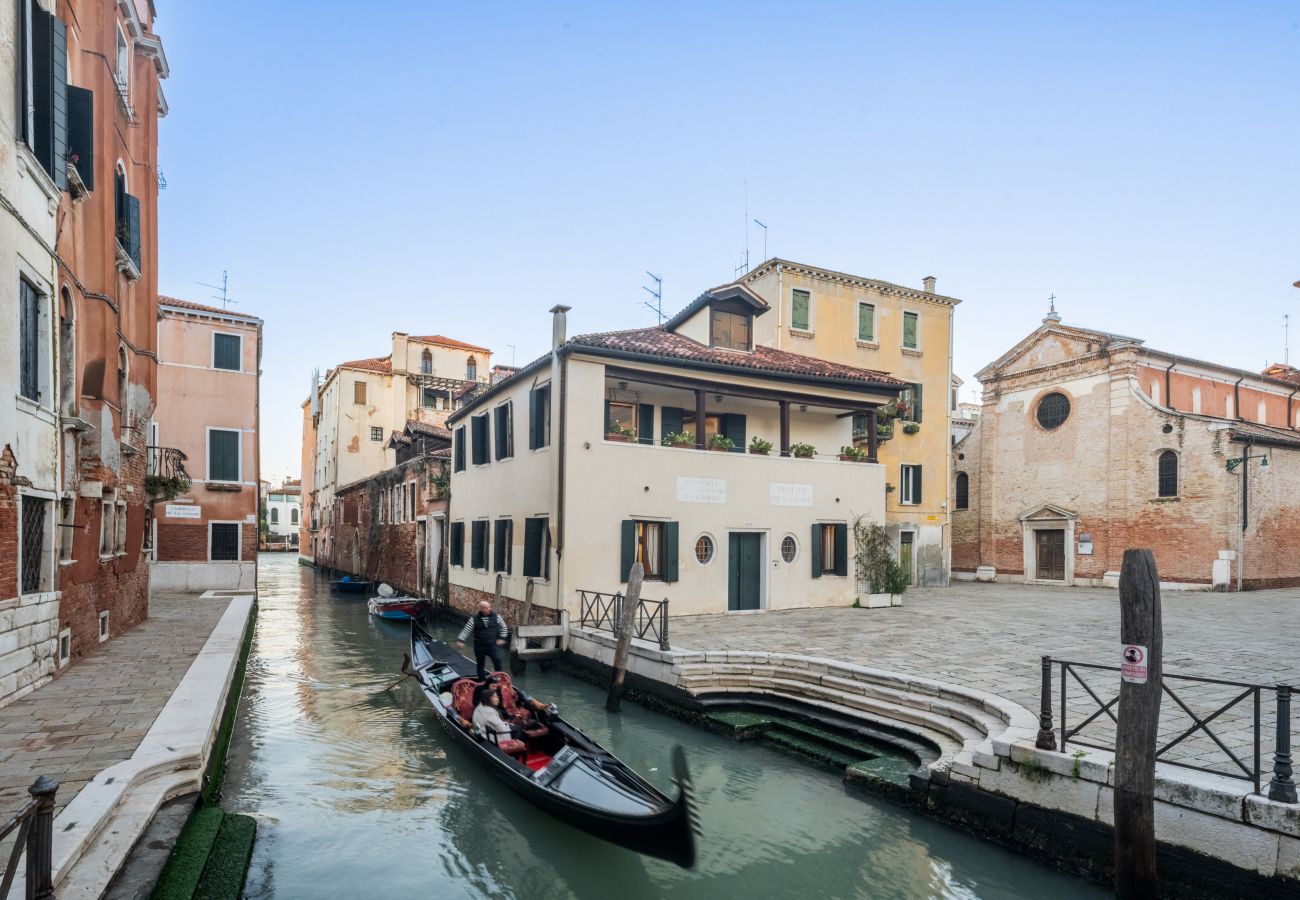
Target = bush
(805,451)
(679,439)
(721,442)
(757,443)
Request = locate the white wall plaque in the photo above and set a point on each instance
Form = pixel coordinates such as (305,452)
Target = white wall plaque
(790,494)
(179,511)
(701,490)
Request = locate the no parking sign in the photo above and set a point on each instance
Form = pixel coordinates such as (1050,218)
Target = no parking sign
(1133,663)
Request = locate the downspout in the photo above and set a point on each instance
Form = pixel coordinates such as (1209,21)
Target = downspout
(780,304)
(1290,420)
(947,491)
(1236,399)
(1245,496)
(1169,394)
(559,366)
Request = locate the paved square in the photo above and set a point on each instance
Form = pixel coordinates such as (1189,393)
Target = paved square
(991,637)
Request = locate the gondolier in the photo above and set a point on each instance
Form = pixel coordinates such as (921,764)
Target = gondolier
(490,633)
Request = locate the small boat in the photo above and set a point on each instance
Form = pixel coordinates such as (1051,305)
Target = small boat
(351,585)
(557,767)
(397,608)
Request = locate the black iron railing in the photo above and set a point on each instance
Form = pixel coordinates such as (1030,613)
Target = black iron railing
(605,611)
(1241,697)
(35,826)
(166,462)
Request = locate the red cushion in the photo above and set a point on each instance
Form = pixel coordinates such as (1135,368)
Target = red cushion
(509,699)
(462,697)
(512,747)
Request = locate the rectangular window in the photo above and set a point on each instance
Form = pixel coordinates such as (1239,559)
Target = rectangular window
(654,545)
(479,449)
(911,325)
(376,433)
(478,539)
(223,541)
(650,549)
(458,452)
(456,543)
(223,455)
(35,515)
(537,548)
(800,310)
(119,540)
(410,499)
(909,402)
(866,322)
(428,398)
(729,330)
(909,492)
(103,625)
(107,524)
(830,549)
(359,392)
(505,430)
(226,351)
(620,418)
(539,417)
(67,529)
(29,328)
(502,540)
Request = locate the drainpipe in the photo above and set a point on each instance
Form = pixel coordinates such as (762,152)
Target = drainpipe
(559,324)
(946,542)
(780,304)
(1236,399)
(1245,496)
(1169,394)
(1290,420)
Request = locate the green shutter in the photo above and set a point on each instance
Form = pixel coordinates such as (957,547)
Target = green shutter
(841,549)
(605,425)
(49,53)
(457,541)
(223,455)
(132,243)
(866,322)
(533,547)
(916,402)
(458,463)
(670,421)
(532,419)
(645,423)
(81,133)
(917,493)
(225,352)
(909,330)
(815,550)
(733,426)
(799,303)
(627,556)
(670,551)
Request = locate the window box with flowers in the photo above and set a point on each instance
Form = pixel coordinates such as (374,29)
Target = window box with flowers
(853,454)
(759,447)
(679,439)
(721,442)
(618,434)
(803,451)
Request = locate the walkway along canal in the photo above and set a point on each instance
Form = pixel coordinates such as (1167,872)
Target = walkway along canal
(358,793)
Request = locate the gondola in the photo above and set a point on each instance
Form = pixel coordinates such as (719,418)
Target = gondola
(397,608)
(351,585)
(557,767)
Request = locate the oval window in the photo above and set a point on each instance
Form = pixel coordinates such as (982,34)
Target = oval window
(1053,410)
(704,549)
(789,548)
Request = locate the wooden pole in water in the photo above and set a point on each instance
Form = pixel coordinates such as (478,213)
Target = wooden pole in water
(1139,719)
(626,625)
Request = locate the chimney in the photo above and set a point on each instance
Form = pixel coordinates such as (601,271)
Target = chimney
(558,323)
(928,281)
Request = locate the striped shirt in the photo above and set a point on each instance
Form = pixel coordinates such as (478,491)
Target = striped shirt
(468,631)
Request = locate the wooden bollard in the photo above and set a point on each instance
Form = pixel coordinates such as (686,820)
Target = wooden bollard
(1139,720)
(626,625)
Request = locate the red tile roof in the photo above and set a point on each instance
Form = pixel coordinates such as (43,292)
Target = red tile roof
(660,343)
(164,300)
(427,428)
(448,342)
(381,364)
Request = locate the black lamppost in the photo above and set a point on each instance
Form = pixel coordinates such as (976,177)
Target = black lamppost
(1244,460)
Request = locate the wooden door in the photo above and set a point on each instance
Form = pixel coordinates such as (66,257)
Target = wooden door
(1050,555)
(905,542)
(744,570)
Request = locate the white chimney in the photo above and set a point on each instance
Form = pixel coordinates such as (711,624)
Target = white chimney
(928,281)
(558,325)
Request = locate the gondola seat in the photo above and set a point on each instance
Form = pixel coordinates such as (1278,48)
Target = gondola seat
(512,747)
(518,715)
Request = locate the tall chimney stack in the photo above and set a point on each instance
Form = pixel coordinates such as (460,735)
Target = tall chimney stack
(558,325)
(928,281)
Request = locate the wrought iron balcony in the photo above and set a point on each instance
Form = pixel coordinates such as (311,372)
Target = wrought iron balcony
(165,474)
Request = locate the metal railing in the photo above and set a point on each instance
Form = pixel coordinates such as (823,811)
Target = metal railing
(166,462)
(605,611)
(35,826)
(1281,787)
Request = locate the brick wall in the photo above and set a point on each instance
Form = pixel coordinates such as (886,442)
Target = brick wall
(465,600)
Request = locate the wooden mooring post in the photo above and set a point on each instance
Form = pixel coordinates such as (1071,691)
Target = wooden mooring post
(1139,719)
(626,626)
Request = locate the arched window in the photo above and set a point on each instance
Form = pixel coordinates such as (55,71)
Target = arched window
(275,516)
(67,352)
(123,375)
(293,515)
(471,370)
(426,363)
(963,491)
(1168,474)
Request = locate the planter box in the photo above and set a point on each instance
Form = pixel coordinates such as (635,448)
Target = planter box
(720,449)
(879,601)
(618,438)
(759,452)
(844,457)
(802,455)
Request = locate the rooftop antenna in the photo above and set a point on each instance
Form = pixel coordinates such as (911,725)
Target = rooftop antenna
(764,227)
(224,296)
(1286,339)
(512,354)
(657,292)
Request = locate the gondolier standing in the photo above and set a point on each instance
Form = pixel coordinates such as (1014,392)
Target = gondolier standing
(490,633)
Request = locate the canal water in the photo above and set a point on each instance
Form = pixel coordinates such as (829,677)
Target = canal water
(358,794)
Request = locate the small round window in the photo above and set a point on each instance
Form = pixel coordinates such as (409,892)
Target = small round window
(704,549)
(789,548)
(1053,410)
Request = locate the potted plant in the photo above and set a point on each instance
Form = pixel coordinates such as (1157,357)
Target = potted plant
(852,454)
(803,451)
(163,487)
(679,439)
(911,427)
(619,434)
(759,447)
(721,442)
(881,580)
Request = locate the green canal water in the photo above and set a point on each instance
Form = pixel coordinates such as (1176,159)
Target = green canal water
(358,794)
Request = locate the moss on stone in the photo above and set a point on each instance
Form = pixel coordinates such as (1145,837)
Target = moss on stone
(184,867)
(227,866)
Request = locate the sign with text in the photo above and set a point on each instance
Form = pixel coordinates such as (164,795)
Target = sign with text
(701,490)
(1133,664)
(183,511)
(790,494)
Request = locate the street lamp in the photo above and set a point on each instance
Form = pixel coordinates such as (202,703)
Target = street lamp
(1233,465)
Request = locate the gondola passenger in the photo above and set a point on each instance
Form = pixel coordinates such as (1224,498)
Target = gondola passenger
(490,632)
(487,719)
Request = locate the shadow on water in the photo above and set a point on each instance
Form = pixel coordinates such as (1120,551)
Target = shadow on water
(358,794)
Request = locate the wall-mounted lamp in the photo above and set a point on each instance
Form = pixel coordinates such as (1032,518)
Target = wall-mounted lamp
(803,407)
(717,398)
(622,385)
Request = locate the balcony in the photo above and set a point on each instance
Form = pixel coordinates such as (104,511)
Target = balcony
(165,476)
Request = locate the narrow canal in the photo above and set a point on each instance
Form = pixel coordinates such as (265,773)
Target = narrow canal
(357,793)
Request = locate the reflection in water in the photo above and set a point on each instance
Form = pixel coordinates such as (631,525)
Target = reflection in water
(358,794)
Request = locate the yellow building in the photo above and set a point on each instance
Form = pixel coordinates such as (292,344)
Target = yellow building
(906,332)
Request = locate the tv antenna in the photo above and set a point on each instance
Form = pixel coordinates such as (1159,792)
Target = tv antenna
(657,292)
(764,227)
(512,354)
(224,296)
(1286,339)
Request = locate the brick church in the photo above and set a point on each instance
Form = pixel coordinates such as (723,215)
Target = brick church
(1089,442)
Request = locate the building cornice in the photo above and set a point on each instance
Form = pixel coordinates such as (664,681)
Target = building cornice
(885,287)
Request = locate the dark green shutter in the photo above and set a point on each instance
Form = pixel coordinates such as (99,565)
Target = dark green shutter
(605,424)
(225,352)
(645,423)
(508,416)
(49,89)
(81,133)
(458,452)
(917,494)
(670,551)
(841,549)
(133,229)
(733,426)
(457,543)
(533,547)
(501,546)
(532,419)
(627,554)
(670,421)
(815,551)
(916,402)
(223,455)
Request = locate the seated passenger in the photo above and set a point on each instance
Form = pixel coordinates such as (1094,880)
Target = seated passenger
(487,719)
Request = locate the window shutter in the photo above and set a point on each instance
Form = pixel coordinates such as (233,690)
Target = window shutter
(133,228)
(456,540)
(119,206)
(627,556)
(670,421)
(866,322)
(225,352)
(499,421)
(815,551)
(841,549)
(533,547)
(800,301)
(532,419)
(458,463)
(670,551)
(916,484)
(645,423)
(223,455)
(508,426)
(916,402)
(499,545)
(605,424)
(733,426)
(49,89)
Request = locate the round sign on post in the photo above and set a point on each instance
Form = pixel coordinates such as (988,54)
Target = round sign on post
(1133,663)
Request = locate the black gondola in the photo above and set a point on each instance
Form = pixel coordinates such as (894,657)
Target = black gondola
(556,766)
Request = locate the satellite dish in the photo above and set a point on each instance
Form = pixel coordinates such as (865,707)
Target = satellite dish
(385,590)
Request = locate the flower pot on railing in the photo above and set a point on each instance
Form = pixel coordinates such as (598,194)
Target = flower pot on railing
(759,447)
(721,443)
(803,451)
(853,454)
(911,427)
(618,437)
(681,439)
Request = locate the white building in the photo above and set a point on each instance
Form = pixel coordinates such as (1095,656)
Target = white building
(284,512)
(567,473)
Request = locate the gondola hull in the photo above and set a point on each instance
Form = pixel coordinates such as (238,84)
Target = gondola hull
(583,784)
(351,586)
(398,609)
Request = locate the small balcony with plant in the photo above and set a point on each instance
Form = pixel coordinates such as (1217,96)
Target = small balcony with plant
(165,476)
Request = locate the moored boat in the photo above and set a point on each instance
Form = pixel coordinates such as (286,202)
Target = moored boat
(554,765)
(397,608)
(351,585)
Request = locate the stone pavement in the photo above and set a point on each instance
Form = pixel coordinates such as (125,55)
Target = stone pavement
(97,713)
(991,637)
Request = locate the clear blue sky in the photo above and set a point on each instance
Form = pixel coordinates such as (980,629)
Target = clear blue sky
(459,168)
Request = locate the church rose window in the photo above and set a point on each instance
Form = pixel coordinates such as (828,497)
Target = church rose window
(1053,410)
